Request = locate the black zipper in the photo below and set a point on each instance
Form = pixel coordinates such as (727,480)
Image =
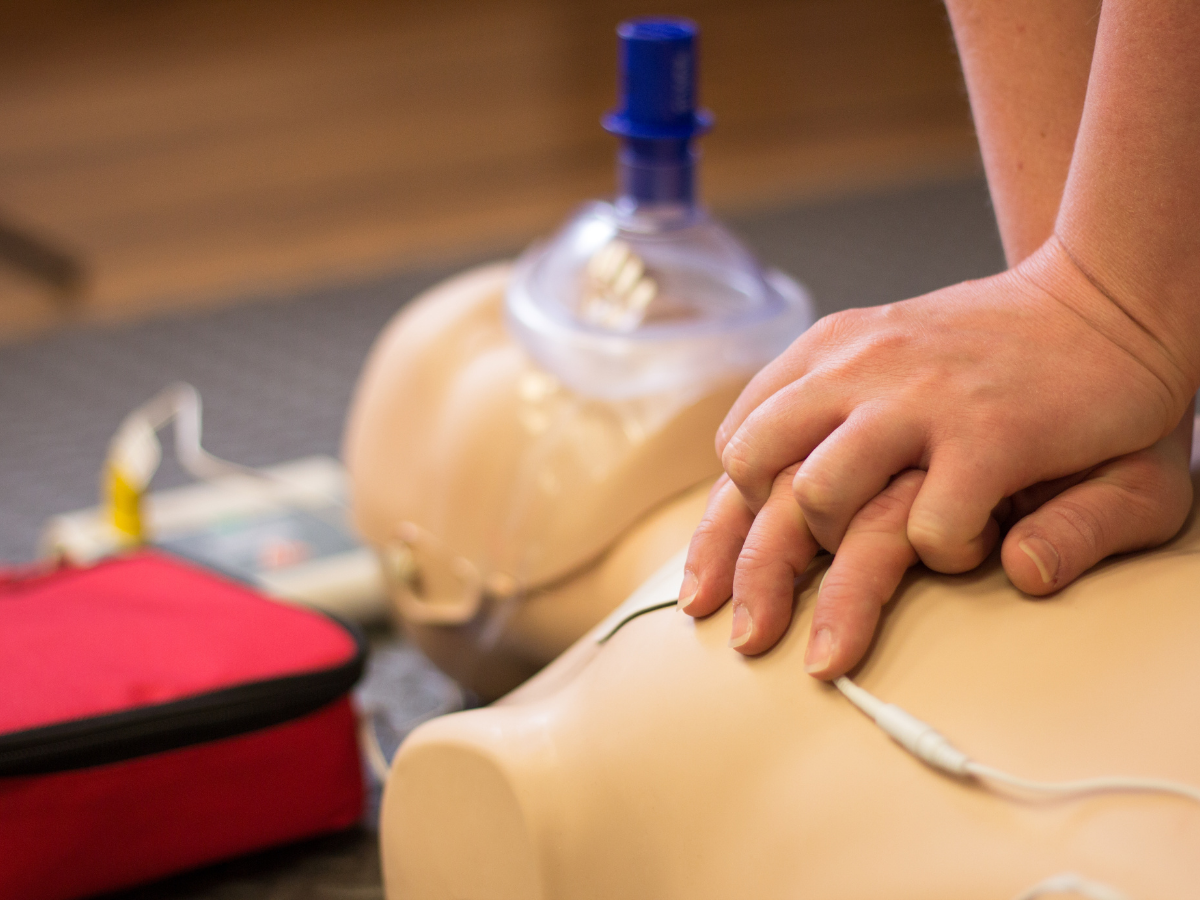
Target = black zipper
(115,737)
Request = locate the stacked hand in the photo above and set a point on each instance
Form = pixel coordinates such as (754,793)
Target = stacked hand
(920,431)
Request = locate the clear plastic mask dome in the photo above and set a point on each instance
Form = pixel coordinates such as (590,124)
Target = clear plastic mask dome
(649,293)
(621,304)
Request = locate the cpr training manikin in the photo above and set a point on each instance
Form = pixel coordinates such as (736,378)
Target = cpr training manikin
(531,448)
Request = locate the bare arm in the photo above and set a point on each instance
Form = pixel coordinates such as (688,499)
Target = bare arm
(1130,217)
(1026,65)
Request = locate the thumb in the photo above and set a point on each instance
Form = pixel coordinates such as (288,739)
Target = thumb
(1131,503)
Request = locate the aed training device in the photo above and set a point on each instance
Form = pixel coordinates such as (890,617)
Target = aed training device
(651,762)
(282,528)
(528,443)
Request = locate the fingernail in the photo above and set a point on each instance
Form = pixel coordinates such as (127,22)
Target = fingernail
(687,590)
(1044,556)
(819,653)
(743,627)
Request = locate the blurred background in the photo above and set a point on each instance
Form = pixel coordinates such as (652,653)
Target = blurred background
(170,155)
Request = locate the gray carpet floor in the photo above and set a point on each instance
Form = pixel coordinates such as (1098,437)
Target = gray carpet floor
(276,377)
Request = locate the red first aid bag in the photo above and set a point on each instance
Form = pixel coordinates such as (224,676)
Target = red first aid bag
(155,717)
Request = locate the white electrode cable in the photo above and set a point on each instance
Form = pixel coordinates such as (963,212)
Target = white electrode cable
(180,403)
(1070,883)
(924,742)
(1085,785)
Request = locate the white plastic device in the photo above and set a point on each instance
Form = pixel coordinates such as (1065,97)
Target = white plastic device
(282,528)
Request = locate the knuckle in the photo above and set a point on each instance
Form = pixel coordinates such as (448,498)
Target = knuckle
(884,512)
(1154,500)
(1148,480)
(821,329)
(710,527)
(831,331)
(755,556)
(1162,515)
(944,551)
(928,535)
(783,481)
(816,493)
(836,585)
(1082,526)
(1145,480)
(719,527)
(737,461)
(886,340)
(725,432)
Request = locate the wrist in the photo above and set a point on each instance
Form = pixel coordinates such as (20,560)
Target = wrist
(1142,335)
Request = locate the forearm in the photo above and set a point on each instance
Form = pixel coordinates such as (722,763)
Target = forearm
(1130,216)
(1026,66)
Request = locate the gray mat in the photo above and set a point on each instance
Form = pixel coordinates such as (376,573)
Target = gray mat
(276,377)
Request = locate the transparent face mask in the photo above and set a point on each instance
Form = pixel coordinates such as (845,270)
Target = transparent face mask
(635,299)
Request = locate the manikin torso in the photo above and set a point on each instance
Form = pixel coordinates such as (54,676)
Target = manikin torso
(522,511)
(661,764)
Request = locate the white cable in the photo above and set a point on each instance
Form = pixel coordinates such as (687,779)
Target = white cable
(136,449)
(1069,882)
(924,742)
(186,408)
(372,749)
(1085,785)
(181,402)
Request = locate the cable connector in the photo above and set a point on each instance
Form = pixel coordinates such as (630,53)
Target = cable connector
(919,738)
(922,740)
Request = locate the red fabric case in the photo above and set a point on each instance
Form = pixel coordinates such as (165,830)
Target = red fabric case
(155,717)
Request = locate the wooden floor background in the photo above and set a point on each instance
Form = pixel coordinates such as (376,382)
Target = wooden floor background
(184,152)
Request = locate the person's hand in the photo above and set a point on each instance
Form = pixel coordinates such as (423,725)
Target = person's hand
(994,386)
(1061,529)
(1131,503)
(756,560)
(990,386)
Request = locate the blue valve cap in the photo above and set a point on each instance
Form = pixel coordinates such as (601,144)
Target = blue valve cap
(657,59)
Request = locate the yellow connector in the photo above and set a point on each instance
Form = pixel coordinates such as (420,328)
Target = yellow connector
(123,502)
